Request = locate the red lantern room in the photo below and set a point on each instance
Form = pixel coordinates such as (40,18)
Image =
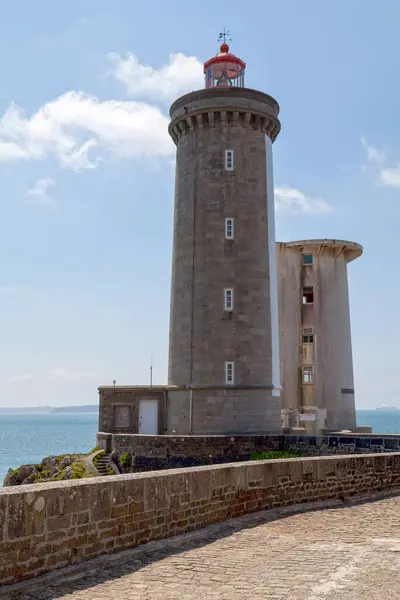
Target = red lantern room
(224,70)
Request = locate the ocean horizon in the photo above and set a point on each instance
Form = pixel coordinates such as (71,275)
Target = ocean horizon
(29,437)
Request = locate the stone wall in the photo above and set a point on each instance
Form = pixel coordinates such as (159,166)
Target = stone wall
(53,525)
(169,451)
(348,443)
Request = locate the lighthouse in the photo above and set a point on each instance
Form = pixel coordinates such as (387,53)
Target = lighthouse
(223,372)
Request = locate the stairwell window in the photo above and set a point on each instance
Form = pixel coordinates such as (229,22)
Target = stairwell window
(308,374)
(229,160)
(229,228)
(308,335)
(230,372)
(228,299)
(308,295)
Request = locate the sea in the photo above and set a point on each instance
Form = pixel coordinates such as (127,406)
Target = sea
(27,438)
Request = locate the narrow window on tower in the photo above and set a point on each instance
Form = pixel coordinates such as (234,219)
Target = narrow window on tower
(229,229)
(308,295)
(308,374)
(229,372)
(229,160)
(307,259)
(228,299)
(308,335)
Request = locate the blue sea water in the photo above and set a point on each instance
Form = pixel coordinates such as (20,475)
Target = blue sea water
(381,421)
(27,438)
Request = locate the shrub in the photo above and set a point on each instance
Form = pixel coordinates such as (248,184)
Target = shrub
(125,460)
(96,458)
(80,470)
(273,454)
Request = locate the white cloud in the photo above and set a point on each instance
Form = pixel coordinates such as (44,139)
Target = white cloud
(289,199)
(62,373)
(75,124)
(373,154)
(21,380)
(181,75)
(40,192)
(391,177)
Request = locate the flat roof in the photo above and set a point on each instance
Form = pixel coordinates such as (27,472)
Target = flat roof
(147,388)
(352,250)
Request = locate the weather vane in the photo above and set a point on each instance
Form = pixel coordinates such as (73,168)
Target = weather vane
(225,35)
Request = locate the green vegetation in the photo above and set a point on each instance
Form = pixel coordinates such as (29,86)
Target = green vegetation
(96,458)
(110,470)
(125,460)
(80,470)
(52,468)
(43,473)
(59,476)
(273,454)
(95,449)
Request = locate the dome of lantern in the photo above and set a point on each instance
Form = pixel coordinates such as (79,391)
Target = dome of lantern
(224,69)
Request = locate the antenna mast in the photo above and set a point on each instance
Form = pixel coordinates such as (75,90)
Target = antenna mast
(151,368)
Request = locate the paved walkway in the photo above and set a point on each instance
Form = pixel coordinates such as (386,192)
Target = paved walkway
(350,552)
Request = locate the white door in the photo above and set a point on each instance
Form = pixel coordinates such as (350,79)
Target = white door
(148,416)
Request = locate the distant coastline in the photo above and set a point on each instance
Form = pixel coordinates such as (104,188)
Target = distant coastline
(94,408)
(85,408)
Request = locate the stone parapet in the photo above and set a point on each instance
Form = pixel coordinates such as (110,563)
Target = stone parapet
(189,450)
(236,107)
(53,525)
(168,451)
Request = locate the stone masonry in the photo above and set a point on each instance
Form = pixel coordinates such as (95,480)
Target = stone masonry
(203,336)
(119,407)
(337,551)
(172,451)
(53,525)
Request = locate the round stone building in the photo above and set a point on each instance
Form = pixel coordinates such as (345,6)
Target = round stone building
(224,340)
(315,336)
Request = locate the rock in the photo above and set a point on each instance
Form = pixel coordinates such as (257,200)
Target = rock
(26,471)
(68,474)
(25,474)
(50,462)
(31,479)
(66,461)
(52,468)
(11,478)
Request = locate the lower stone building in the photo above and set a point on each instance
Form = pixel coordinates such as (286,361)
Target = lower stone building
(132,409)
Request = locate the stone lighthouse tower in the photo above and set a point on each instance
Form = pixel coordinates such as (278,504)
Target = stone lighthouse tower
(223,350)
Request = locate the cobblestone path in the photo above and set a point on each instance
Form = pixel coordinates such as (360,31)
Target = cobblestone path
(350,552)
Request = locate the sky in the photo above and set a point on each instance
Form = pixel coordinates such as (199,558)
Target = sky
(87,175)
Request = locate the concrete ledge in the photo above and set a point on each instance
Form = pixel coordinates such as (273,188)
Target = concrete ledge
(54,525)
